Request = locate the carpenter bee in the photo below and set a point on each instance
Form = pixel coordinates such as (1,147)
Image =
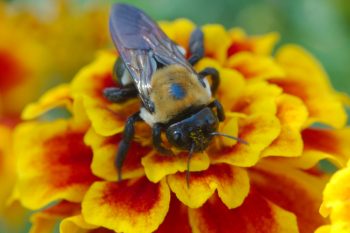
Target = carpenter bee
(175,98)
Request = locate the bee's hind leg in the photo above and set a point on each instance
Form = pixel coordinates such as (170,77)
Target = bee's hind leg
(124,144)
(215,78)
(196,46)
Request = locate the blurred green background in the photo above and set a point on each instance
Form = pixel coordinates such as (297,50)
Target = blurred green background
(321,26)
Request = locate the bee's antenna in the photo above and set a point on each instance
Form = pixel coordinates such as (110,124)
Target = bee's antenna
(188,166)
(229,136)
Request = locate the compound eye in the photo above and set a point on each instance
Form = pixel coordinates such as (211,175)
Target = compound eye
(177,136)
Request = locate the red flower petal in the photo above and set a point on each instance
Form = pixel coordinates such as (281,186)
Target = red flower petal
(324,143)
(45,220)
(292,114)
(231,183)
(54,163)
(106,118)
(256,215)
(158,166)
(105,151)
(128,206)
(176,220)
(258,97)
(253,66)
(297,191)
(307,80)
(259,131)
(261,45)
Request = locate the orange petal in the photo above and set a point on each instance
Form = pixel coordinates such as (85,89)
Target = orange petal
(336,197)
(257,97)
(326,229)
(176,220)
(259,131)
(158,166)
(105,151)
(232,184)
(240,42)
(127,206)
(229,127)
(56,97)
(324,143)
(93,78)
(296,191)
(292,114)
(255,215)
(342,227)
(45,220)
(307,80)
(106,118)
(253,66)
(216,41)
(53,163)
(179,31)
(77,223)
(232,83)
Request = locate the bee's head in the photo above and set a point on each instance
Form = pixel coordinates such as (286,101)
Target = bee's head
(195,132)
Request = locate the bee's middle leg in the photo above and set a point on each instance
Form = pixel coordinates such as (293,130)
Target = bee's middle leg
(124,144)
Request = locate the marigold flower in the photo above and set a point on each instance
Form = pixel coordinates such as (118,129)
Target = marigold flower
(266,186)
(35,54)
(336,203)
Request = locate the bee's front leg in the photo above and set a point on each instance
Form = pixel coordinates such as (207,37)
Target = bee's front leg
(219,109)
(157,140)
(124,144)
(215,78)
(196,46)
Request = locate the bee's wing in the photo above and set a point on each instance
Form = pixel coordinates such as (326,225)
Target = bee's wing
(141,44)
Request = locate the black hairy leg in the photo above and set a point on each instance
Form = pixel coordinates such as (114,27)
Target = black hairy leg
(157,140)
(118,95)
(219,109)
(215,78)
(124,144)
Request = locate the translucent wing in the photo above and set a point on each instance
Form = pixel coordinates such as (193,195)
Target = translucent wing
(141,44)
